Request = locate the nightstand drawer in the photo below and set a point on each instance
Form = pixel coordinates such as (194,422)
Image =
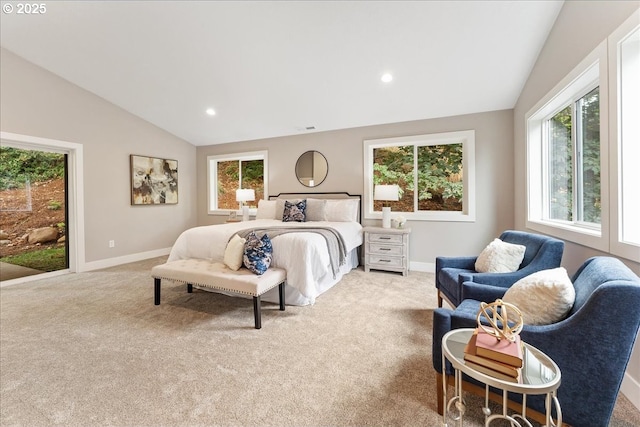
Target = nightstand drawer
(381,249)
(385,261)
(385,238)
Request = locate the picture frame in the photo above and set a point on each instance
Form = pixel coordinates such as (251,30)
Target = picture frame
(154,181)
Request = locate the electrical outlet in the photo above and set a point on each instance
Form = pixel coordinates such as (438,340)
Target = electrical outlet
(112,243)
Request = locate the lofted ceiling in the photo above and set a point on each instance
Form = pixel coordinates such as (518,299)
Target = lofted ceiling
(275,68)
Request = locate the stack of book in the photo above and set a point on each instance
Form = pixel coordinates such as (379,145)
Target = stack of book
(500,359)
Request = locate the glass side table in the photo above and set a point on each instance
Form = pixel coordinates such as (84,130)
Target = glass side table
(540,375)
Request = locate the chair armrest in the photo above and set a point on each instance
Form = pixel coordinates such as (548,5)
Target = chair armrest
(441,325)
(482,292)
(467,262)
(503,280)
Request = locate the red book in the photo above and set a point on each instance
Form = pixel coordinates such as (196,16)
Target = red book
(503,350)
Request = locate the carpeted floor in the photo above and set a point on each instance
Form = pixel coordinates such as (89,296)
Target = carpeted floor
(91,349)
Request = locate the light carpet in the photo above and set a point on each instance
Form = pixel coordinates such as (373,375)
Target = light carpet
(91,349)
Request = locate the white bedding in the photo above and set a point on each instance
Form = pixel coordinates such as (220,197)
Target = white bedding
(303,255)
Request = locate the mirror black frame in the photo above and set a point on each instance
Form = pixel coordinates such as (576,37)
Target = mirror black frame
(303,160)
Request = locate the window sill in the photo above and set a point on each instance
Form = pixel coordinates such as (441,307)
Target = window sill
(580,235)
(426,216)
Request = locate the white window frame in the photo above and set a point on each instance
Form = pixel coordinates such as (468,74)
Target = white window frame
(591,72)
(466,138)
(212,178)
(617,245)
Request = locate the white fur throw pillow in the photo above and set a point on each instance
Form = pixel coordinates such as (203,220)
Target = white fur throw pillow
(500,257)
(544,297)
(233,254)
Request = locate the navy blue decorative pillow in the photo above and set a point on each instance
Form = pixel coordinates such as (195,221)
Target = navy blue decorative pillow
(257,253)
(294,211)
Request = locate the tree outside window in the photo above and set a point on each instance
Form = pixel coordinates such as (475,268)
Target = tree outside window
(431,171)
(229,173)
(574,161)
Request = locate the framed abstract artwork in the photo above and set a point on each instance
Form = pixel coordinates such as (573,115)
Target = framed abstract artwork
(154,181)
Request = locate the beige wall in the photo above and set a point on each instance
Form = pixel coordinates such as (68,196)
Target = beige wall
(579,28)
(35,102)
(344,152)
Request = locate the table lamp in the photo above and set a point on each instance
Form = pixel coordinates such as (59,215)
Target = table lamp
(245,195)
(386,193)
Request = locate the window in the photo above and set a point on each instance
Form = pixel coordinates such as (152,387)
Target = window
(227,173)
(573,160)
(582,150)
(435,174)
(566,168)
(624,72)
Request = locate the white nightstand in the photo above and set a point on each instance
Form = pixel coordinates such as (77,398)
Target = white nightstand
(386,249)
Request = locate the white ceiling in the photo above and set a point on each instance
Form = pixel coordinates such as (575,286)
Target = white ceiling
(274,68)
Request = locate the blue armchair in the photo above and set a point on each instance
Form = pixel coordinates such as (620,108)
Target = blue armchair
(542,253)
(592,345)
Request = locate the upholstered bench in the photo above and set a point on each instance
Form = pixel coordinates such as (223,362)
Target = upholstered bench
(206,274)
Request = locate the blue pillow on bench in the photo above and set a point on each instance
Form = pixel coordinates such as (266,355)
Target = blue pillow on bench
(258,253)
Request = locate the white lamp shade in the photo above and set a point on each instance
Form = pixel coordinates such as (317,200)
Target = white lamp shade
(245,195)
(386,192)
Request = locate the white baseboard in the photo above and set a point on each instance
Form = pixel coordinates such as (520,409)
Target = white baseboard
(631,389)
(26,279)
(112,262)
(425,267)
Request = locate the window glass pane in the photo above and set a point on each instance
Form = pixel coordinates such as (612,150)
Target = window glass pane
(394,165)
(440,174)
(560,197)
(228,181)
(589,201)
(253,178)
(630,137)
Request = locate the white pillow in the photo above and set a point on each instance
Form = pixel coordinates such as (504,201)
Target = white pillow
(266,209)
(543,297)
(500,257)
(234,253)
(342,210)
(316,210)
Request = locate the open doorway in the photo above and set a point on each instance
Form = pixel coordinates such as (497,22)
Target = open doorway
(33,212)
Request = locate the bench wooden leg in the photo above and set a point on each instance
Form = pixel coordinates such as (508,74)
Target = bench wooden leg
(257,313)
(281,292)
(156,292)
(189,288)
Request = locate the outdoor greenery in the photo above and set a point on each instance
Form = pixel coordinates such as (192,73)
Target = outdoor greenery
(563,166)
(230,179)
(50,259)
(439,174)
(19,166)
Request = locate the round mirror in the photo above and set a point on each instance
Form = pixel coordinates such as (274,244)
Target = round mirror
(311,168)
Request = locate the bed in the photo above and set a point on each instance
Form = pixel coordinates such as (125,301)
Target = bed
(305,255)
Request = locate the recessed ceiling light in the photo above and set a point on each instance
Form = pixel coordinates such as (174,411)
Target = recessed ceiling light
(211,111)
(386,77)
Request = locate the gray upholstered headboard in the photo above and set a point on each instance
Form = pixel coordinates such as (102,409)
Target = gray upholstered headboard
(330,195)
